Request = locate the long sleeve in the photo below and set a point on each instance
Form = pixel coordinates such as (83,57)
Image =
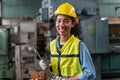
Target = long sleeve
(87,64)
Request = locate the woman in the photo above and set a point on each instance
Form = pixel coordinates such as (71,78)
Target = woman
(70,58)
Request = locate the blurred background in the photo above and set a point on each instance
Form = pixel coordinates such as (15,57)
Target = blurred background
(25,23)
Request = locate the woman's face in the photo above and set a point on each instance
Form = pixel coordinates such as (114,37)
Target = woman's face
(64,25)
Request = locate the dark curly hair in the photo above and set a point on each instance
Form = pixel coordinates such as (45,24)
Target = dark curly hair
(76,30)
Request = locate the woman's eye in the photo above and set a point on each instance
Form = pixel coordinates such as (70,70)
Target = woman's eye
(66,21)
(58,21)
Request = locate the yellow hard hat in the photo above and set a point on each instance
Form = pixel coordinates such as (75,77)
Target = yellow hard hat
(66,9)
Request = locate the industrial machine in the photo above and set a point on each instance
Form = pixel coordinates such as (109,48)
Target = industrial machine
(110,61)
(7,58)
(33,34)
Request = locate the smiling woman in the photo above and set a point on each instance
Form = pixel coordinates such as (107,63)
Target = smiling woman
(70,58)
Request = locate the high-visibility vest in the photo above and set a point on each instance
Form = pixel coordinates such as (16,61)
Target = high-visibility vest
(66,62)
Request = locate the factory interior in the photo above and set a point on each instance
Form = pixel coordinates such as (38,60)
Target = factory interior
(28,24)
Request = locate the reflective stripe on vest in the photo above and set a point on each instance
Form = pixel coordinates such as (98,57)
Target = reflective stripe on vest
(66,62)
